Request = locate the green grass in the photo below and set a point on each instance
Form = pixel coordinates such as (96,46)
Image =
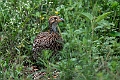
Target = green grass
(91,33)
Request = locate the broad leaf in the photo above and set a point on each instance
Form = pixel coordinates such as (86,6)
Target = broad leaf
(104,15)
(88,15)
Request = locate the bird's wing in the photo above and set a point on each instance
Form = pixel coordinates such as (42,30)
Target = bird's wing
(43,39)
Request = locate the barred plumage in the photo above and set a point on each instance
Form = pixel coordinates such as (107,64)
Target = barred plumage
(49,40)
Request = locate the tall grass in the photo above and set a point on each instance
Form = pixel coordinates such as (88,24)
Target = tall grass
(91,33)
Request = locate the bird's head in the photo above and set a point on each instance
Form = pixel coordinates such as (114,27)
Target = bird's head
(53,22)
(55,19)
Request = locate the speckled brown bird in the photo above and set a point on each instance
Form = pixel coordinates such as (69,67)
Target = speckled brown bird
(51,40)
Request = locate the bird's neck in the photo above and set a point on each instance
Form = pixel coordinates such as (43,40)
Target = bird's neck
(53,27)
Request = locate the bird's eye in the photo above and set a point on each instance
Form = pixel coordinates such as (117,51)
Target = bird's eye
(55,18)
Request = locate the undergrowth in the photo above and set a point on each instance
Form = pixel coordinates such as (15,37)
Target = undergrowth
(91,33)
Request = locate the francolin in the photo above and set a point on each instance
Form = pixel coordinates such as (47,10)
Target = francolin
(50,40)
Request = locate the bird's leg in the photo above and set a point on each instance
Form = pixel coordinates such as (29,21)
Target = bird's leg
(35,54)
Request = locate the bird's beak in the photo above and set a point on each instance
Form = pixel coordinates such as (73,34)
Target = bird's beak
(61,20)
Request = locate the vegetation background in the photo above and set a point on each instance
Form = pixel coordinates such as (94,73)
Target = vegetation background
(91,33)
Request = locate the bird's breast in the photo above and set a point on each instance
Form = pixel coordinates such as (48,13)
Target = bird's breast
(47,39)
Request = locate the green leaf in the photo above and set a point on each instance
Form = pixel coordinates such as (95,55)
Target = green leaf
(104,15)
(38,14)
(115,34)
(88,15)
